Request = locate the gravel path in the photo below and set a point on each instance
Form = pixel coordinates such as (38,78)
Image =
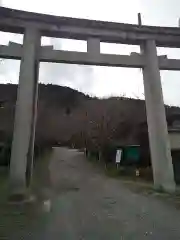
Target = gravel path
(88,205)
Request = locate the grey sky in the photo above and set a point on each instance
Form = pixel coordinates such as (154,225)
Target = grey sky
(101,81)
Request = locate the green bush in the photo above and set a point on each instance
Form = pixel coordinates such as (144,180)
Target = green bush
(93,155)
(5,154)
(108,153)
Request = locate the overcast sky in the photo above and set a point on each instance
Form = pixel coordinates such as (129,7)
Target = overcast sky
(100,81)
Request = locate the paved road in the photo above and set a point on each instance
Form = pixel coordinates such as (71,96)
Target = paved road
(88,205)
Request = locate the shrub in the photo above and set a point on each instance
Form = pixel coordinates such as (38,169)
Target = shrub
(108,153)
(5,154)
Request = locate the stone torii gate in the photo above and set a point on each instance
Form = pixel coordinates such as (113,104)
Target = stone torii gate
(34,26)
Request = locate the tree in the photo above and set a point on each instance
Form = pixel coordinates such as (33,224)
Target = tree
(102,120)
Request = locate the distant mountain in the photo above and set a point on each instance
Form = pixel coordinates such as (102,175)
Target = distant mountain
(52,94)
(66,115)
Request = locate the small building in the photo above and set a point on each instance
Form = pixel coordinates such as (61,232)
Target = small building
(173,122)
(174,138)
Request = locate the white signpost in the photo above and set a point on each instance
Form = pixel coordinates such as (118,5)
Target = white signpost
(118,157)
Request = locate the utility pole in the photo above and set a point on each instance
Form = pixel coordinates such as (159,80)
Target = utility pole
(139,19)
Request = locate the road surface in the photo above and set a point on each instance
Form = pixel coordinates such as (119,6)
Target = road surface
(88,205)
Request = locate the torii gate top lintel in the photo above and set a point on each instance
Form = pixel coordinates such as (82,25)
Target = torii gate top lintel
(54,26)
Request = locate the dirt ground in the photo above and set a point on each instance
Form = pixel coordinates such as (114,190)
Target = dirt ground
(83,203)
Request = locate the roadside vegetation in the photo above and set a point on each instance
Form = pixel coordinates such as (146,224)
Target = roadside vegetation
(19,218)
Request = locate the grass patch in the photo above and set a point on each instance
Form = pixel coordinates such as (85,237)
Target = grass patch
(13,218)
(19,219)
(112,171)
(147,188)
(142,184)
(93,159)
(3,183)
